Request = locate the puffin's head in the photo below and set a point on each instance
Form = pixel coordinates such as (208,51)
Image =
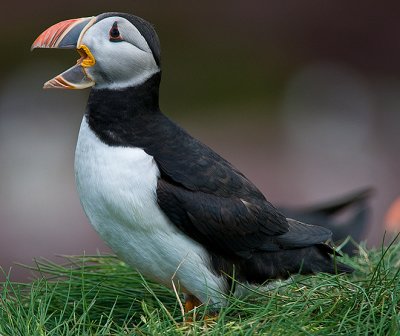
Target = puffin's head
(117,50)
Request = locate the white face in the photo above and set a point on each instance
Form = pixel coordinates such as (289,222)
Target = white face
(121,62)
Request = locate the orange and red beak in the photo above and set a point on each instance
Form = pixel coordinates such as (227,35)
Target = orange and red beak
(68,35)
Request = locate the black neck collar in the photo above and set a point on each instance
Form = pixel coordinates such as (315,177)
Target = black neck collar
(117,116)
(126,102)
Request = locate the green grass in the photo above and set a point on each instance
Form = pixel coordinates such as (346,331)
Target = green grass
(100,295)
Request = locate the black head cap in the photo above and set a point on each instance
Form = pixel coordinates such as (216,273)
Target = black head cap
(145,28)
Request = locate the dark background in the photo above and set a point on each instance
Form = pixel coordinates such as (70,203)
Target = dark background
(302,96)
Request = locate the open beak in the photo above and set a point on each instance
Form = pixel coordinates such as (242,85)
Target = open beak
(68,35)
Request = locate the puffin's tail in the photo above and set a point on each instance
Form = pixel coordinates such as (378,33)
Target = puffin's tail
(302,250)
(281,264)
(322,258)
(346,216)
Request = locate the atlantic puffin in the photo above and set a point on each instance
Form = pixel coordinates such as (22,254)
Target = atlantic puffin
(165,203)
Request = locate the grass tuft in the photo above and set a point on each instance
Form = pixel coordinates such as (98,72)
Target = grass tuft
(100,295)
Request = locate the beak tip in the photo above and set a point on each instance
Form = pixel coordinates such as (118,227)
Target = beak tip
(50,84)
(36,44)
(33,46)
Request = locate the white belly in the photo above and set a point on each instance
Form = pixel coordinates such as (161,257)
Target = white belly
(117,187)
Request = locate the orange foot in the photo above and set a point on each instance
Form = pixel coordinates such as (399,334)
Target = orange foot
(193,302)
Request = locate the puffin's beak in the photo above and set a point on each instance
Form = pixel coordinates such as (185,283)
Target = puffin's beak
(68,35)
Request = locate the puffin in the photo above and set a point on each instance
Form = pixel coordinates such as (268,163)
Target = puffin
(167,204)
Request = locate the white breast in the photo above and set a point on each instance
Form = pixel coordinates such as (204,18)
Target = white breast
(117,188)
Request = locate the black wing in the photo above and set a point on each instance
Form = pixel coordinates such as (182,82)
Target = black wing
(213,203)
(229,225)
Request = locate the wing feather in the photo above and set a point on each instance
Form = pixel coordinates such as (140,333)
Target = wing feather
(224,224)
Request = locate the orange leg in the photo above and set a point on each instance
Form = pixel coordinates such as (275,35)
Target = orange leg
(191,303)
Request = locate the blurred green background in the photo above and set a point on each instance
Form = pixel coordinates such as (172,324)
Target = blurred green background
(302,96)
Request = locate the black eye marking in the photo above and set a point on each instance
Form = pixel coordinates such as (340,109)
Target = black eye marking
(115,35)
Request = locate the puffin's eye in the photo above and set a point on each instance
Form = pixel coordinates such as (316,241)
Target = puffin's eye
(115,36)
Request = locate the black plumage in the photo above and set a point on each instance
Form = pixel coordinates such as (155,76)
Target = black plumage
(348,215)
(207,198)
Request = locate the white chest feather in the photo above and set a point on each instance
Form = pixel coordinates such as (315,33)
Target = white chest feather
(116,183)
(117,187)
